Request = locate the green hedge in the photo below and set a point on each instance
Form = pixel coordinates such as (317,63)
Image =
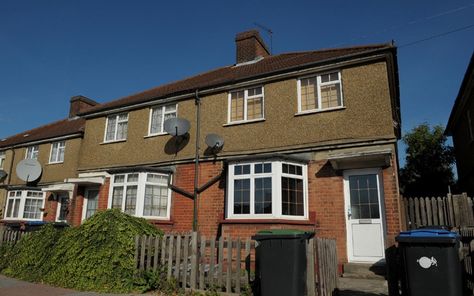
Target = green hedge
(97,256)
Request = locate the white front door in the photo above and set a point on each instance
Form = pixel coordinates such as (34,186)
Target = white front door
(63,207)
(364,215)
(91,202)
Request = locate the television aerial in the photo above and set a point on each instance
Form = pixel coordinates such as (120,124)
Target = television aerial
(176,126)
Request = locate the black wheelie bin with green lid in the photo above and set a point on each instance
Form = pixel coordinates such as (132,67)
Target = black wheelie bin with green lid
(281,261)
(431,263)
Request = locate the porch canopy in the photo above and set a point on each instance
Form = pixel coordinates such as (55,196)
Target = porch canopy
(360,159)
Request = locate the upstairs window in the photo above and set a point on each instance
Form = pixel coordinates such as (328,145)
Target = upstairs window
(158,115)
(57,152)
(320,92)
(24,205)
(2,159)
(141,194)
(116,127)
(32,152)
(246,105)
(274,189)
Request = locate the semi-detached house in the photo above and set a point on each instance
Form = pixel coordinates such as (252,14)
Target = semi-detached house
(310,143)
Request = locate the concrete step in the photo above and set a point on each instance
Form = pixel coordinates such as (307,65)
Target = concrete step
(364,271)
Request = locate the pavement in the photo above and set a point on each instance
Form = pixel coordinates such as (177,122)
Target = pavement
(14,287)
(362,287)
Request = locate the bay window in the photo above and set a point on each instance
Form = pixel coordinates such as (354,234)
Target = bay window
(141,194)
(269,189)
(24,205)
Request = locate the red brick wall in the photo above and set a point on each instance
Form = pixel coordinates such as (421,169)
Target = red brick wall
(103,195)
(75,207)
(392,202)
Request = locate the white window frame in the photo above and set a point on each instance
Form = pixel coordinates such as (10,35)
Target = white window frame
(3,157)
(117,121)
(164,112)
(21,209)
(276,174)
(86,201)
(246,98)
(319,84)
(32,152)
(140,201)
(61,145)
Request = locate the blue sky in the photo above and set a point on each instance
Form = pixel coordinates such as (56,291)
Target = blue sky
(53,50)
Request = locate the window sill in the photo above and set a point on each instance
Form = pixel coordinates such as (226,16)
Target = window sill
(267,221)
(244,122)
(58,162)
(161,222)
(319,111)
(155,135)
(112,142)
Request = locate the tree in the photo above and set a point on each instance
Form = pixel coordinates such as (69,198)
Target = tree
(429,160)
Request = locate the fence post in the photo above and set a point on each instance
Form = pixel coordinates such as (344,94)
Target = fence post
(310,279)
(2,232)
(194,259)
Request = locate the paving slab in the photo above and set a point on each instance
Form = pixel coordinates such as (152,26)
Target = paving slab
(14,287)
(362,287)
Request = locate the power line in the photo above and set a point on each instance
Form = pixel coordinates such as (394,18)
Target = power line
(436,36)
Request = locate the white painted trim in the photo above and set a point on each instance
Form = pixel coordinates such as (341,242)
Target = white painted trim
(48,140)
(319,83)
(86,180)
(32,147)
(86,200)
(276,176)
(346,175)
(57,156)
(117,115)
(163,110)
(21,207)
(140,199)
(94,174)
(246,98)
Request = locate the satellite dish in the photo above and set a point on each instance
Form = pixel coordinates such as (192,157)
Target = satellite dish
(214,141)
(176,126)
(28,170)
(3,174)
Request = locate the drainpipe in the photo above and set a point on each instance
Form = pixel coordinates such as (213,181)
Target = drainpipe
(196,160)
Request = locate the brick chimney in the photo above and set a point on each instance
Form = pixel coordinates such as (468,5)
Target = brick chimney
(79,104)
(250,46)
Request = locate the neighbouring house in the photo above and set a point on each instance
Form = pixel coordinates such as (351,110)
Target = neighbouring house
(310,142)
(56,147)
(461,128)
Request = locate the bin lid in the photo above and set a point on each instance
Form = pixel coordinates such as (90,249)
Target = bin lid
(283,234)
(427,235)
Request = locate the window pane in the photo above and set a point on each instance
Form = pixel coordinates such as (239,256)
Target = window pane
(155,178)
(156,201)
(61,154)
(309,94)
(119,178)
(364,198)
(9,208)
(292,197)
(111,124)
(331,96)
(237,106)
(117,196)
(131,200)
(255,108)
(122,130)
(267,168)
(263,195)
(32,208)
(242,169)
(54,153)
(132,178)
(258,168)
(242,196)
(92,202)
(16,208)
(156,120)
(254,91)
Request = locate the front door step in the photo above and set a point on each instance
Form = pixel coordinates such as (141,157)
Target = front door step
(364,271)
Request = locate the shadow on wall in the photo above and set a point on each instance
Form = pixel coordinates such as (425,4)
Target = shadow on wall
(176,144)
(327,171)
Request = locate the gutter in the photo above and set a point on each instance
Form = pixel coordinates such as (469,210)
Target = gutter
(42,141)
(297,71)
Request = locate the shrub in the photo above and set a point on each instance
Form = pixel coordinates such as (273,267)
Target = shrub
(98,255)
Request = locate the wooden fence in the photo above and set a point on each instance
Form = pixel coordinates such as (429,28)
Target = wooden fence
(9,235)
(450,210)
(226,264)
